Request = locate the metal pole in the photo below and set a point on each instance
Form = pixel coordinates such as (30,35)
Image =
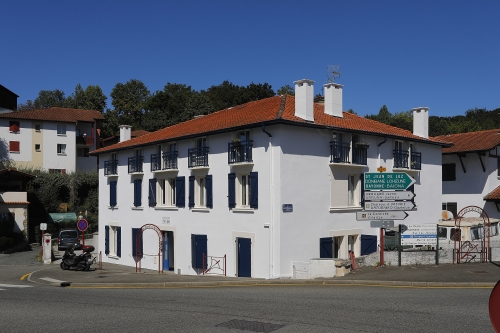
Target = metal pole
(437,244)
(399,247)
(382,264)
(42,243)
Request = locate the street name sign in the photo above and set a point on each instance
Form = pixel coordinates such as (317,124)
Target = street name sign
(381,224)
(418,234)
(369,216)
(387,181)
(389,205)
(388,195)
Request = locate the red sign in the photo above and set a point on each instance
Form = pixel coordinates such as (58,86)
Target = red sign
(47,241)
(82,225)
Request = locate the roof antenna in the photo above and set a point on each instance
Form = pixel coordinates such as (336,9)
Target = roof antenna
(333,71)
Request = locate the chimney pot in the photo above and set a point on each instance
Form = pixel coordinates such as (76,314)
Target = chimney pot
(125,132)
(421,122)
(333,99)
(304,99)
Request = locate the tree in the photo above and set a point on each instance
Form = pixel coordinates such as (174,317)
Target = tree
(50,98)
(255,92)
(129,101)
(402,120)
(351,111)
(286,89)
(92,98)
(29,105)
(111,124)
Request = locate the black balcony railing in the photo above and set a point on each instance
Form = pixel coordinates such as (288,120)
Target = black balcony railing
(339,152)
(400,158)
(239,152)
(359,155)
(169,160)
(135,164)
(155,162)
(416,161)
(198,157)
(84,141)
(110,167)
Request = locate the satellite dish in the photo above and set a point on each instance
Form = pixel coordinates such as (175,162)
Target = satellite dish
(447,215)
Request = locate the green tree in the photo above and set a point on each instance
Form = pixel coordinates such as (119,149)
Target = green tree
(402,120)
(286,89)
(129,101)
(92,98)
(111,124)
(50,98)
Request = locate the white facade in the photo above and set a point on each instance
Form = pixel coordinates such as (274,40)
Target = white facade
(293,166)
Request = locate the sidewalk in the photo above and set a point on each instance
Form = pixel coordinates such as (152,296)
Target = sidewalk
(112,275)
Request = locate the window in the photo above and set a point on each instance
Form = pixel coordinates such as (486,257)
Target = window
(14,146)
(82,152)
(38,128)
(243,190)
(200,192)
(14,126)
(449,172)
(112,193)
(345,191)
(113,240)
(137,192)
(61,149)
(37,147)
(167,192)
(61,129)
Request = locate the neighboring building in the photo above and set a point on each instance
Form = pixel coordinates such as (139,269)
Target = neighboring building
(116,138)
(267,183)
(471,171)
(54,139)
(13,198)
(8,100)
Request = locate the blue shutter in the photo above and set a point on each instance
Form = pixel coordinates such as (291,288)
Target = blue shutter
(106,240)
(326,247)
(119,241)
(137,192)
(191,191)
(152,192)
(198,248)
(231,193)
(180,191)
(112,193)
(254,190)
(208,185)
(134,243)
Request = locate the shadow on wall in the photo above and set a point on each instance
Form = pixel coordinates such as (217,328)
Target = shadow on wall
(5,161)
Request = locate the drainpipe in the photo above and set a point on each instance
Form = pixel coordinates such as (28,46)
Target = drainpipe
(271,197)
(381,143)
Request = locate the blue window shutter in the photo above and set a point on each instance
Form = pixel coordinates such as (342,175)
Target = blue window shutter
(152,192)
(137,192)
(208,185)
(106,240)
(198,248)
(119,241)
(326,247)
(112,193)
(254,190)
(180,191)
(134,241)
(231,193)
(191,191)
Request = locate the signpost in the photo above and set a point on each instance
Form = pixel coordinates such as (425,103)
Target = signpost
(389,205)
(387,181)
(388,195)
(382,224)
(369,216)
(82,225)
(43,227)
(418,234)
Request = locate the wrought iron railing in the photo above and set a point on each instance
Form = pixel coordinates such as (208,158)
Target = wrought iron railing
(135,164)
(198,157)
(339,152)
(110,167)
(155,162)
(239,152)
(359,155)
(400,158)
(169,160)
(416,161)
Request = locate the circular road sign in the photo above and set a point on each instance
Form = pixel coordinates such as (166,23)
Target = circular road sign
(494,307)
(82,225)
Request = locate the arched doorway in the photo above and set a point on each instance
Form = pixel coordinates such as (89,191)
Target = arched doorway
(139,249)
(472,236)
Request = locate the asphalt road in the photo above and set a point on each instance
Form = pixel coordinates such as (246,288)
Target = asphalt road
(290,308)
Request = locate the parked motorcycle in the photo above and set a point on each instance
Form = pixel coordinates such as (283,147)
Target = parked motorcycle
(81,261)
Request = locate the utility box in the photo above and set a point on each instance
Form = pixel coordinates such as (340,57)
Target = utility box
(47,248)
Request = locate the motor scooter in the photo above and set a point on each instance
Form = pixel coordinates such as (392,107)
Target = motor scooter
(81,261)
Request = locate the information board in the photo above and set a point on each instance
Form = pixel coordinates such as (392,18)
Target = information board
(418,234)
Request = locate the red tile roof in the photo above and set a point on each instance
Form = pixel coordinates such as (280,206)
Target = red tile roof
(493,195)
(133,134)
(472,141)
(56,114)
(277,109)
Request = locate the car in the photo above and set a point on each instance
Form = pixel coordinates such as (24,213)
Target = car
(68,236)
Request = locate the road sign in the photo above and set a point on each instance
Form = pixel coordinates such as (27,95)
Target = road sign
(389,205)
(387,181)
(381,224)
(82,225)
(368,216)
(388,195)
(418,234)
(43,226)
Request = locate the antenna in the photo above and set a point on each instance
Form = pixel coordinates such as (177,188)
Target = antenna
(333,71)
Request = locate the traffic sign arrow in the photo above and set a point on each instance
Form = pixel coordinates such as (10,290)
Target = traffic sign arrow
(389,205)
(368,216)
(388,195)
(387,181)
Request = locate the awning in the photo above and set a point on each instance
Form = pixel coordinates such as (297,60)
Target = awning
(62,217)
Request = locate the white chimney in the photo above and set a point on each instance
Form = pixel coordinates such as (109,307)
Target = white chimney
(333,99)
(421,122)
(125,132)
(304,99)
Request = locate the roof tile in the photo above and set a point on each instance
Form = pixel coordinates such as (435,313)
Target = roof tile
(56,114)
(472,141)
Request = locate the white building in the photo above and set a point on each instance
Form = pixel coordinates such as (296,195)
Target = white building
(265,183)
(54,139)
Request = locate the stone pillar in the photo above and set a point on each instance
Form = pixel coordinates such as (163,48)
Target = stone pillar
(47,248)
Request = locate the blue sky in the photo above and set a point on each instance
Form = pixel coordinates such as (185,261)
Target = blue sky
(438,53)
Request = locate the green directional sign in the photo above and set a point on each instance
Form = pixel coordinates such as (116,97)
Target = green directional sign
(380,181)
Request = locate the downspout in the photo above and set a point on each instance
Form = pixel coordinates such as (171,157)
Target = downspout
(381,143)
(271,199)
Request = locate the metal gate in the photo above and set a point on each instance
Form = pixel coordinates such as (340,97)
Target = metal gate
(138,246)
(466,247)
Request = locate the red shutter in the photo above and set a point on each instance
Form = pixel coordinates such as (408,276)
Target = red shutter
(14,126)
(14,146)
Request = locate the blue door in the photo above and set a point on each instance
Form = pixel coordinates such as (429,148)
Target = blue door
(168,251)
(326,247)
(368,244)
(244,257)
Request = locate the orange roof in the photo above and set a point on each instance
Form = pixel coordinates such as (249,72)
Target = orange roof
(472,141)
(493,195)
(56,114)
(272,110)
(133,134)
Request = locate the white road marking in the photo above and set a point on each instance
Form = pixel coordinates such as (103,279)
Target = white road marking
(14,286)
(51,280)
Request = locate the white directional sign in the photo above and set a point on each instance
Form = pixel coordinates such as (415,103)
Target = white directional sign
(418,234)
(389,205)
(387,181)
(388,195)
(368,216)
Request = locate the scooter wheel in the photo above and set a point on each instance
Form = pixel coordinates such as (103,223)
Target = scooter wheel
(88,267)
(64,266)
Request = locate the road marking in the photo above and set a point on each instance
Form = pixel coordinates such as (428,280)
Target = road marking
(14,286)
(24,276)
(51,280)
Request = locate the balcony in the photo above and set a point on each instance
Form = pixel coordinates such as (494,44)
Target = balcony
(84,140)
(416,161)
(135,164)
(166,162)
(110,167)
(400,159)
(239,152)
(198,157)
(339,152)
